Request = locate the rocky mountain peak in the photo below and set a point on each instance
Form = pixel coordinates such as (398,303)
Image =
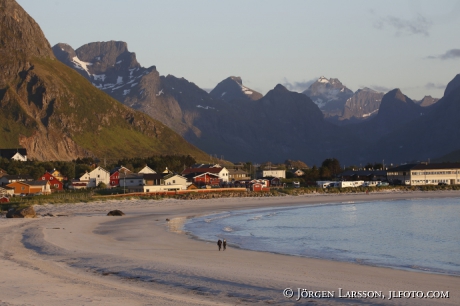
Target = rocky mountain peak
(232,88)
(107,65)
(280,88)
(330,95)
(20,34)
(396,94)
(104,55)
(427,101)
(237,79)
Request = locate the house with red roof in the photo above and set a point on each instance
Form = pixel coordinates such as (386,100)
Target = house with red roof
(55,183)
(222,172)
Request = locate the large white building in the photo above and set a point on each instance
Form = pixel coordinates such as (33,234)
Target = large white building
(425,174)
(271,173)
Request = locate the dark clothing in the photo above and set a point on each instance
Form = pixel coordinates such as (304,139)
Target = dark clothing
(219,243)
(225,244)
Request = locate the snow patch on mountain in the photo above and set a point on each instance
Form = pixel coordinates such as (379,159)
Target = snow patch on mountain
(81,64)
(246,90)
(205,107)
(370,114)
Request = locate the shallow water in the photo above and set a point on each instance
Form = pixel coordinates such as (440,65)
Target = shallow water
(416,234)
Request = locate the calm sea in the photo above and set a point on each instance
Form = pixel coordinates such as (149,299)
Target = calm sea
(416,234)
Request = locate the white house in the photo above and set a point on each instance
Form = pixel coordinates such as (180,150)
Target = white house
(19,154)
(97,176)
(271,173)
(175,182)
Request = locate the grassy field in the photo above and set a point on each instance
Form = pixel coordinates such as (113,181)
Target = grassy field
(85,196)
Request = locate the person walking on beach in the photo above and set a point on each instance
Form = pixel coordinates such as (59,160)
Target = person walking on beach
(224,244)
(219,243)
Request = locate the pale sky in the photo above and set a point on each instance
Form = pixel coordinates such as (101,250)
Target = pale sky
(411,45)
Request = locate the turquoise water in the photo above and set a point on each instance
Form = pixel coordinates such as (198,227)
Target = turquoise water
(416,234)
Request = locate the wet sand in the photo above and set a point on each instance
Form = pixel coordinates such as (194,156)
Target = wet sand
(84,257)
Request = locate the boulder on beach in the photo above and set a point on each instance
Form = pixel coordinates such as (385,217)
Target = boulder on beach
(116,212)
(27,212)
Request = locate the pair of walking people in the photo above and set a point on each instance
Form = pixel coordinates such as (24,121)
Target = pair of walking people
(221,244)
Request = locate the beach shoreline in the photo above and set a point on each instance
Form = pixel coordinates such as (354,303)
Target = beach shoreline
(112,259)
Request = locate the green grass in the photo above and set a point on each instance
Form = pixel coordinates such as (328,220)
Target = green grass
(95,121)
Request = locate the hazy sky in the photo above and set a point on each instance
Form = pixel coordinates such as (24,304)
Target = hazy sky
(411,45)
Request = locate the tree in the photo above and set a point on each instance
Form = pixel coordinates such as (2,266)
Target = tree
(333,165)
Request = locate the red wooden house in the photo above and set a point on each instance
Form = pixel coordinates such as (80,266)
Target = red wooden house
(115,174)
(55,184)
(115,179)
(202,179)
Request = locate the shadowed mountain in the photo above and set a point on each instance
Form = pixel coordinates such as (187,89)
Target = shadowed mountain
(430,136)
(54,113)
(280,125)
(232,89)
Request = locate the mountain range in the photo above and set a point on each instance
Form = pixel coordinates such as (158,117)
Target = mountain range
(231,121)
(239,123)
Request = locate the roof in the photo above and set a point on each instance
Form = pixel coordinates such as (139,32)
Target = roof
(206,166)
(153,176)
(363,172)
(118,169)
(37,183)
(202,170)
(195,174)
(434,166)
(131,176)
(170,175)
(9,153)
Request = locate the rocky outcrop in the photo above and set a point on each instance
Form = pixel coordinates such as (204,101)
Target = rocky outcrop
(363,104)
(27,212)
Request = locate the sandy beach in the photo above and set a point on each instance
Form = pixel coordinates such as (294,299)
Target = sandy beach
(83,257)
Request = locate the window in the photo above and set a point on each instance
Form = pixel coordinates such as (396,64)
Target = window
(56,185)
(51,178)
(43,178)
(174,181)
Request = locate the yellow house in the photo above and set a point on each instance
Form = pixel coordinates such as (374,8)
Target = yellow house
(58,175)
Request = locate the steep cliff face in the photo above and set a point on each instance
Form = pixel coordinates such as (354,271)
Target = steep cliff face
(363,104)
(54,113)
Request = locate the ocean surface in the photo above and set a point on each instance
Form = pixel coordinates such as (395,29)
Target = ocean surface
(415,234)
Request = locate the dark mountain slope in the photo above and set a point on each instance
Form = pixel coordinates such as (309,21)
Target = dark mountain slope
(232,89)
(429,136)
(56,114)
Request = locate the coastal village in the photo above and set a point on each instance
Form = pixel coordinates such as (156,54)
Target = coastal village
(214,176)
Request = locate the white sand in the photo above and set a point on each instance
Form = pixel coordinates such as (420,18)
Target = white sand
(87,258)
